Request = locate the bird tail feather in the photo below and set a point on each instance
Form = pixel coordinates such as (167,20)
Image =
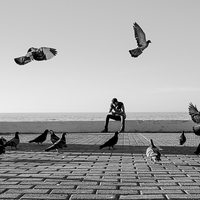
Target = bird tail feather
(102,146)
(135,52)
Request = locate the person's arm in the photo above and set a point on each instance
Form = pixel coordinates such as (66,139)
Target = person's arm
(111,108)
(121,111)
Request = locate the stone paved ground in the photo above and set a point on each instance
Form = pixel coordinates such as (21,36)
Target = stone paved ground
(82,171)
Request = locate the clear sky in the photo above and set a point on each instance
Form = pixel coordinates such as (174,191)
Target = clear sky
(93,64)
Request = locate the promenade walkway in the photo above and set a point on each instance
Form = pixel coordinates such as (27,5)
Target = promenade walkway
(82,171)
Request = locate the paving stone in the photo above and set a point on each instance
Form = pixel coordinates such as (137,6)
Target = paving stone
(44,196)
(9,196)
(131,197)
(182,196)
(92,196)
(161,191)
(24,191)
(82,171)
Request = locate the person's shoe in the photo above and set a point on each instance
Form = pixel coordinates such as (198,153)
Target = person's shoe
(104,131)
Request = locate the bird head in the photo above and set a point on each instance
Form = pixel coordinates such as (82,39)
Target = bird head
(46,131)
(64,134)
(17,135)
(51,132)
(1,142)
(152,144)
(31,49)
(148,41)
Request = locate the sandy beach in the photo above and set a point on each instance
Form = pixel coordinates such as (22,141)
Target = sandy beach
(137,126)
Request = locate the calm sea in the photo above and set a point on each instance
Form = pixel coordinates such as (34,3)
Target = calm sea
(19,117)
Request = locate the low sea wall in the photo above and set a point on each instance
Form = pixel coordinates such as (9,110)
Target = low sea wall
(159,126)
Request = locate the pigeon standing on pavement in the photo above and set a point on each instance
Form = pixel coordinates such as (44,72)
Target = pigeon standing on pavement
(2,147)
(54,138)
(41,138)
(111,142)
(14,141)
(141,41)
(182,138)
(153,152)
(39,54)
(59,144)
(197,150)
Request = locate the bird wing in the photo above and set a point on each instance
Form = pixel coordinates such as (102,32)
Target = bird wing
(48,52)
(54,138)
(23,60)
(150,152)
(60,144)
(27,58)
(12,142)
(194,113)
(139,35)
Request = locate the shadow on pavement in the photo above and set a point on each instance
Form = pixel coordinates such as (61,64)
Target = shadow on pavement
(118,149)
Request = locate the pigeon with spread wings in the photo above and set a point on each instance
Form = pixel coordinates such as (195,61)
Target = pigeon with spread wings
(141,41)
(194,113)
(195,116)
(38,54)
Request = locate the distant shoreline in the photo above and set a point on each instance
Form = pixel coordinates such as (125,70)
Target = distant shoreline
(142,126)
(64,117)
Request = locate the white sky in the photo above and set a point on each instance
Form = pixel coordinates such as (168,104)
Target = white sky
(93,64)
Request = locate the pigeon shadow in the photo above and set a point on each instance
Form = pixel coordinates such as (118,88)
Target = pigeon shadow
(89,148)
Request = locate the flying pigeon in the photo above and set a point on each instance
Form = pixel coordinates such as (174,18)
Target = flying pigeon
(38,54)
(182,138)
(194,113)
(14,141)
(54,137)
(2,147)
(59,144)
(141,41)
(111,142)
(153,152)
(195,116)
(41,138)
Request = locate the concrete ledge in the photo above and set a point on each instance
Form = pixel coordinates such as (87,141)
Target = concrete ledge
(136,126)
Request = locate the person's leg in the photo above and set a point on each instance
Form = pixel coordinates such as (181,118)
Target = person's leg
(108,117)
(122,129)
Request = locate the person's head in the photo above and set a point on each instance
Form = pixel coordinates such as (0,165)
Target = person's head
(114,101)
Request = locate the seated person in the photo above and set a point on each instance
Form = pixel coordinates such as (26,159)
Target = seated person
(116,112)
